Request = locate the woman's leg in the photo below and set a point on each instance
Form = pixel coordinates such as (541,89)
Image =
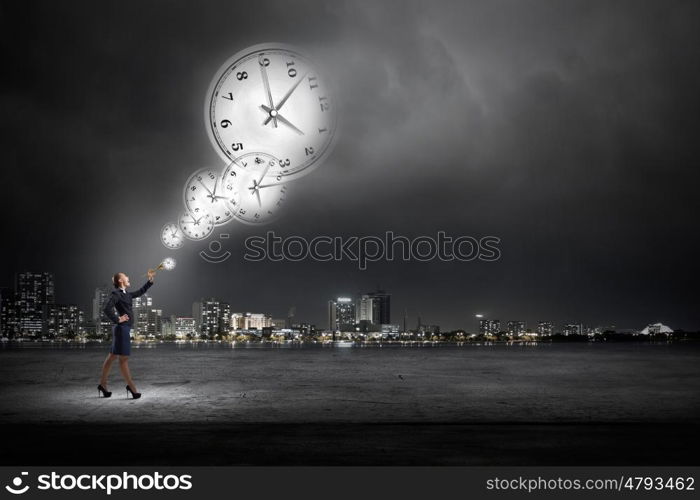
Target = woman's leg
(106,367)
(124,367)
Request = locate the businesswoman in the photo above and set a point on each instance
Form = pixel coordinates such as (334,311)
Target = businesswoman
(121,300)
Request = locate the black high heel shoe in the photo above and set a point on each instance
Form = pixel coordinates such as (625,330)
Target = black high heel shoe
(134,395)
(101,390)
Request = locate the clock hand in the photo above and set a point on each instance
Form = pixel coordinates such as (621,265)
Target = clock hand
(205,187)
(257,193)
(289,93)
(255,188)
(286,96)
(260,186)
(267,167)
(266,82)
(289,124)
(271,112)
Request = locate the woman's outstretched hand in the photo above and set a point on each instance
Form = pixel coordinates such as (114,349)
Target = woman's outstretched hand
(151,274)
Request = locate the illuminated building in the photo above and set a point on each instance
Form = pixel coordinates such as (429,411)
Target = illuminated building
(250,321)
(516,328)
(489,326)
(341,314)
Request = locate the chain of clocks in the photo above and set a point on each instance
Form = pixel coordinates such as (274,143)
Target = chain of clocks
(271,118)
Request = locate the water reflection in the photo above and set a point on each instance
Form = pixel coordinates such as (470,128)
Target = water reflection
(290,344)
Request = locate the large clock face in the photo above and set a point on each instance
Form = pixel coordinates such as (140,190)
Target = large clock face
(204,190)
(271,98)
(261,192)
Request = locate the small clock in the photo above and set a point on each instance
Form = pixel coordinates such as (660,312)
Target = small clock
(171,236)
(203,189)
(271,97)
(260,192)
(196,225)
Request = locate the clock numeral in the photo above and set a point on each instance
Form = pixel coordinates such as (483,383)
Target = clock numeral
(193,188)
(242,75)
(323,102)
(264,61)
(292,72)
(236,146)
(283,163)
(309,150)
(322,130)
(212,176)
(230,96)
(241,211)
(312,82)
(225,123)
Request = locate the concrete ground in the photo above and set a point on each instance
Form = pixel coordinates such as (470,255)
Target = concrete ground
(614,403)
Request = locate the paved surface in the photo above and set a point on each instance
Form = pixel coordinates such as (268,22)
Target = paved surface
(475,404)
(550,383)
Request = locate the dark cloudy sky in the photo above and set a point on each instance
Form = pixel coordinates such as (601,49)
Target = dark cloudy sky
(567,129)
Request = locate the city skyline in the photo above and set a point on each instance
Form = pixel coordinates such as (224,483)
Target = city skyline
(362,312)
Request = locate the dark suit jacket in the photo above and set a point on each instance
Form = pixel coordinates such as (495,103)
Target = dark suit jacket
(121,301)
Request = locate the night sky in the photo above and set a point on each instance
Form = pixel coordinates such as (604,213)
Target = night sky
(567,129)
